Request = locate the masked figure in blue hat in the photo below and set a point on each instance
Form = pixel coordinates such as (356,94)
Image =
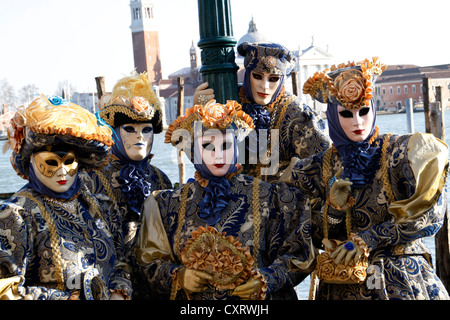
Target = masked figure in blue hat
(58,241)
(382,195)
(223,235)
(133,111)
(284,126)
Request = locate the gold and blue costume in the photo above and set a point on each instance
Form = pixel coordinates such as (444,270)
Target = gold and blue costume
(297,130)
(405,203)
(124,180)
(396,199)
(271,221)
(60,245)
(84,234)
(284,234)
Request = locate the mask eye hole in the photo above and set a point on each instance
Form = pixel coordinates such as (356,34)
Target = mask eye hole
(346,114)
(69,161)
(52,163)
(363,112)
(147,130)
(274,79)
(226,145)
(129,129)
(257,76)
(208,146)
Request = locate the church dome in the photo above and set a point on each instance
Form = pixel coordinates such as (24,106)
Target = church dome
(253,35)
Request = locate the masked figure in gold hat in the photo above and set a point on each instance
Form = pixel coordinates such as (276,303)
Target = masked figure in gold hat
(134,113)
(58,240)
(382,194)
(284,126)
(223,235)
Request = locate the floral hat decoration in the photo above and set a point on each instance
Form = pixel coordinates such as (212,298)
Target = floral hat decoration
(131,100)
(213,115)
(51,120)
(350,85)
(267,57)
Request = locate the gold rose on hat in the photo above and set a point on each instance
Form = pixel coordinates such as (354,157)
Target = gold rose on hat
(350,85)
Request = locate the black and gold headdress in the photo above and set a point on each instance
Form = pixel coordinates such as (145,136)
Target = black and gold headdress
(132,100)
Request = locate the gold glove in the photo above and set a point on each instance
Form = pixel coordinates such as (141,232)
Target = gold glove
(340,193)
(248,290)
(350,252)
(193,280)
(202,95)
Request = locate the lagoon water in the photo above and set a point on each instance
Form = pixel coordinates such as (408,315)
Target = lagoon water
(165,158)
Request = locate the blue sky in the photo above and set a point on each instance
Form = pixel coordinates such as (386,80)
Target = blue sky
(48,41)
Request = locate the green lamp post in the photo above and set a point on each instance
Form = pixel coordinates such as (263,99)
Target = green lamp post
(217,49)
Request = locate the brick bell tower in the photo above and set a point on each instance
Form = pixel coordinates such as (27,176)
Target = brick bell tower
(145,39)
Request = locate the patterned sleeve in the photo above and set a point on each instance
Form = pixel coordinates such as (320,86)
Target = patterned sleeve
(306,175)
(153,249)
(120,279)
(303,131)
(288,242)
(418,166)
(163,180)
(92,181)
(16,252)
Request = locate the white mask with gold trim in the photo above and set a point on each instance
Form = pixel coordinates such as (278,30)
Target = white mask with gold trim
(57,171)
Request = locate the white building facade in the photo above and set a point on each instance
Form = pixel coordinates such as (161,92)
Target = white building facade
(309,61)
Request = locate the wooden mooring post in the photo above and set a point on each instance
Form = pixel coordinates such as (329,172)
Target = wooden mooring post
(100,82)
(294,83)
(426,103)
(180,112)
(435,124)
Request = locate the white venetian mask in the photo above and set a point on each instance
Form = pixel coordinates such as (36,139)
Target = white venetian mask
(217,151)
(137,139)
(263,86)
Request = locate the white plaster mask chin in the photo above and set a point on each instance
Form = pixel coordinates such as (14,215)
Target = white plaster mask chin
(137,139)
(217,152)
(55,171)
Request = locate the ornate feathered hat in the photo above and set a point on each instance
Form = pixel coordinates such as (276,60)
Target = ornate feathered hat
(132,100)
(213,115)
(350,85)
(52,120)
(267,57)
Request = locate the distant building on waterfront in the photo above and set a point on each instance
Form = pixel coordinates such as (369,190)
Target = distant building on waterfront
(168,88)
(309,61)
(87,100)
(398,83)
